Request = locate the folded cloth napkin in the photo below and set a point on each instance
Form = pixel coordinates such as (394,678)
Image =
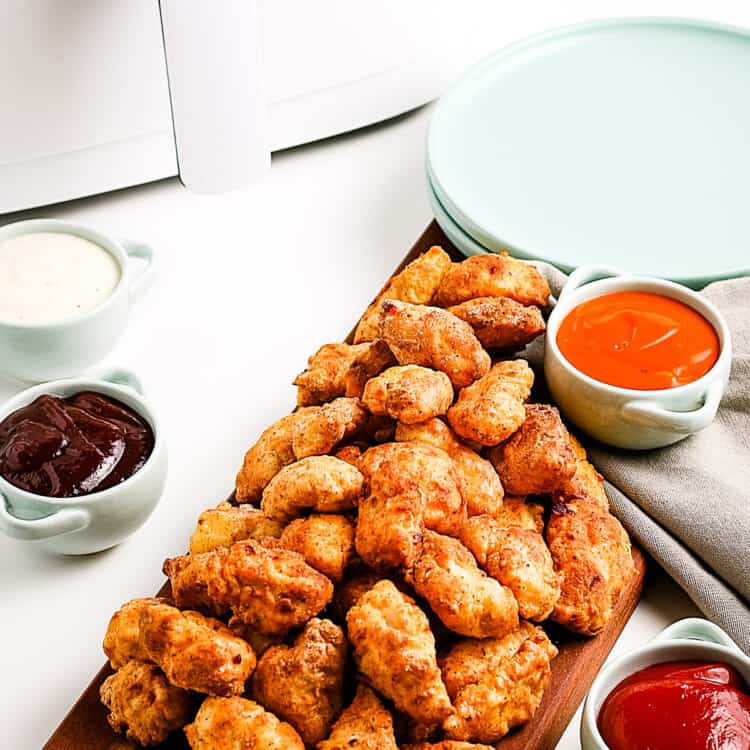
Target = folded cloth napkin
(688,504)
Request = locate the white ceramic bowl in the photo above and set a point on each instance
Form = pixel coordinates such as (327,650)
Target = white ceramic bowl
(685,640)
(625,417)
(64,348)
(94,522)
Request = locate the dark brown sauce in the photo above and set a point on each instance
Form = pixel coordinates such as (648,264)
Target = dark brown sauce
(65,447)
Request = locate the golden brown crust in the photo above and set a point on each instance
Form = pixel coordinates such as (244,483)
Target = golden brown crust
(226,524)
(586,484)
(268,587)
(518,511)
(501,322)
(431,337)
(395,649)
(321,428)
(446,745)
(143,705)
(416,284)
(325,541)
(409,393)
(303,683)
(374,357)
(492,275)
(239,724)
(258,642)
(325,376)
(538,457)
(492,409)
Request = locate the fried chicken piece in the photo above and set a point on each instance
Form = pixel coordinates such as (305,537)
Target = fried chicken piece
(496,683)
(465,599)
(194,652)
(416,284)
(374,357)
(365,725)
(479,483)
(591,553)
(538,457)
(431,337)
(587,483)
(226,524)
(352,454)
(447,745)
(239,724)
(517,511)
(303,683)
(519,559)
(268,587)
(492,409)
(325,541)
(321,428)
(258,642)
(501,322)
(409,393)
(325,376)
(143,705)
(322,483)
(395,649)
(492,275)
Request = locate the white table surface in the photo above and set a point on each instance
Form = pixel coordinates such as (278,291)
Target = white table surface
(251,283)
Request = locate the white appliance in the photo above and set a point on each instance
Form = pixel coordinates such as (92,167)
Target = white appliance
(98,95)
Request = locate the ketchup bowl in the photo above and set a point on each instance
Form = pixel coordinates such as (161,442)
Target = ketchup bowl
(690,640)
(100,519)
(627,417)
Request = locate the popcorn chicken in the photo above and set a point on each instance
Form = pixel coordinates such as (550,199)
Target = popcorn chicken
(492,275)
(325,376)
(258,642)
(416,284)
(239,724)
(496,683)
(492,409)
(268,587)
(226,524)
(303,683)
(395,649)
(357,580)
(409,393)
(322,483)
(500,322)
(325,541)
(538,457)
(465,599)
(518,511)
(319,429)
(446,745)
(374,358)
(587,483)
(143,705)
(431,337)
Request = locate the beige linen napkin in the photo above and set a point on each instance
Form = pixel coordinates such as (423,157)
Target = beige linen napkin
(688,504)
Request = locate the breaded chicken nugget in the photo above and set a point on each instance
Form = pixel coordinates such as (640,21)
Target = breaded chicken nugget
(538,457)
(303,683)
(239,724)
(416,284)
(409,393)
(479,483)
(429,336)
(465,599)
(226,524)
(143,705)
(194,652)
(325,376)
(519,559)
(321,428)
(374,357)
(492,275)
(587,483)
(591,553)
(447,745)
(395,649)
(358,579)
(325,541)
(496,683)
(258,642)
(266,586)
(322,483)
(501,322)
(518,511)
(492,409)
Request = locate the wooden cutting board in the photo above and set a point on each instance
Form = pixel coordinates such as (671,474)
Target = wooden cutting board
(573,670)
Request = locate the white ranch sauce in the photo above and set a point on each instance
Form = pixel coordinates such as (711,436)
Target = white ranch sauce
(49,276)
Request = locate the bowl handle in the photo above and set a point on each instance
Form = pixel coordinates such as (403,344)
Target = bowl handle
(583,274)
(60,521)
(146,276)
(695,628)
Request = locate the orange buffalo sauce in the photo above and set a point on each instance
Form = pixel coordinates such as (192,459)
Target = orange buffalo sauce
(638,340)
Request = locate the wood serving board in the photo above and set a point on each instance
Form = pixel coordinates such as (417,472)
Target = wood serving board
(86,727)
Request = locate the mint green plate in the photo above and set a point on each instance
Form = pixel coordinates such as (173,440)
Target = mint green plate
(623,142)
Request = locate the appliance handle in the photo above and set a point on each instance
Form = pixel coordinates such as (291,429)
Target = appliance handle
(216,90)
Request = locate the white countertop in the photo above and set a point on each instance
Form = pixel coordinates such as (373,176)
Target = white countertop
(251,283)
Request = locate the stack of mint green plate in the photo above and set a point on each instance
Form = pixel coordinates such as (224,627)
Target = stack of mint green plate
(624,143)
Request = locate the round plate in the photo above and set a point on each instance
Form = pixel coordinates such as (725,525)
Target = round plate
(622,142)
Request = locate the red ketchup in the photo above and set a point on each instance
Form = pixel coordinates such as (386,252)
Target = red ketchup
(679,705)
